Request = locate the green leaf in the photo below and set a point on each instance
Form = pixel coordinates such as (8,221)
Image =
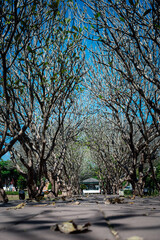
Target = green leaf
(29,49)
(70,32)
(92,27)
(146,12)
(100,96)
(75,28)
(97,15)
(122,19)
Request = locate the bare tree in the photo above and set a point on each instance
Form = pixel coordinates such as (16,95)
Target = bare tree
(56,71)
(124,76)
(128,33)
(20,22)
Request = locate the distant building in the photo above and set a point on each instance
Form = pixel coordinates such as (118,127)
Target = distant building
(92,186)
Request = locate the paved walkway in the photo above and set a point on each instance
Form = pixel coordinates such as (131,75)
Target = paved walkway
(139,217)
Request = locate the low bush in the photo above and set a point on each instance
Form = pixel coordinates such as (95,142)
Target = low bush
(128,192)
(12,193)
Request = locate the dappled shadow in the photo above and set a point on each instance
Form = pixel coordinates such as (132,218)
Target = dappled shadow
(39,229)
(35,224)
(111,220)
(9,204)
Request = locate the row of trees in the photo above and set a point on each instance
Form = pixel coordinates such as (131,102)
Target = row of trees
(123,77)
(42,64)
(44,72)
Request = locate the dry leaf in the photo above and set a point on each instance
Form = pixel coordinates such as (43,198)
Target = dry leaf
(145,214)
(131,202)
(114,232)
(114,200)
(40,205)
(70,227)
(107,202)
(19,206)
(76,203)
(67,227)
(135,238)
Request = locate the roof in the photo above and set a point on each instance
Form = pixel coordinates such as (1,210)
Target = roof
(91,180)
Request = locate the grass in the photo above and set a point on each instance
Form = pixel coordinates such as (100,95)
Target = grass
(13,197)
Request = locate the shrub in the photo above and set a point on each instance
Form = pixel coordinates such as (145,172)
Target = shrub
(12,193)
(49,186)
(128,192)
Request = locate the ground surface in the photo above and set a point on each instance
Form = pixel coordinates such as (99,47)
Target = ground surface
(139,217)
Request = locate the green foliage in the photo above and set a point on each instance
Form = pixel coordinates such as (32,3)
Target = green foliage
(124,183)
(21,182)
(59,192)
(49,186)
(97,15)
(9,173)
(12,193)
(83,186)
(128,192)
(158,171)
(122,19)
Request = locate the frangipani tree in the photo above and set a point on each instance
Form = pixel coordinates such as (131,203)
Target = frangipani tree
(56,70)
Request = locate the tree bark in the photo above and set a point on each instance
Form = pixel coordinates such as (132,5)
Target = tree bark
(3,196)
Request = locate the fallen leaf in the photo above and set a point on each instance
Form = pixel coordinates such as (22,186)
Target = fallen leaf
(107,202)
(83,227)
(40,205)
(131,202)
(67,227)
(114,232)
(145,214)
(135,238)
(70,227)
(19,206)
(74,203)
(114,200)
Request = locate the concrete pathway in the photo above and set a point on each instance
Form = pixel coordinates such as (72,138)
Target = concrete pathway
(139,217)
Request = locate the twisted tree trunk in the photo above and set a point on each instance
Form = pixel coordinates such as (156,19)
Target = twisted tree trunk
(3,196)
